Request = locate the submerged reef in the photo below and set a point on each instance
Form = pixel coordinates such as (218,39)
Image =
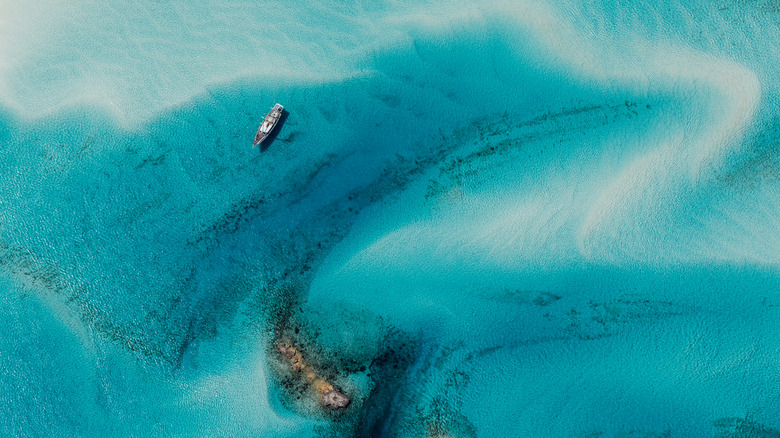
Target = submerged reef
(329,395)
(744,427)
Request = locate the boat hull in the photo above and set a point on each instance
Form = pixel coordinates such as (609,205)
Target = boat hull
(268,124)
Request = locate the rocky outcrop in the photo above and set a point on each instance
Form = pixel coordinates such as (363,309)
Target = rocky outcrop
(329,395)
(334,399)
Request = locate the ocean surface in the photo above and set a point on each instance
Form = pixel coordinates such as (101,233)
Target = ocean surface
(502,218)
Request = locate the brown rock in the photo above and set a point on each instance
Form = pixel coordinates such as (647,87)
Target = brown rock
(334,399)
(322,386)
(287,350)
(329,396)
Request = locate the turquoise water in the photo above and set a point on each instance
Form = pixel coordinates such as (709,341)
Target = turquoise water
(477,220)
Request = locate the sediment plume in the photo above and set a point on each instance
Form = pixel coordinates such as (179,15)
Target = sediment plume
(329,396)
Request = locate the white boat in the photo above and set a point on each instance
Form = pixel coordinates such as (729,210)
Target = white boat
(269,122)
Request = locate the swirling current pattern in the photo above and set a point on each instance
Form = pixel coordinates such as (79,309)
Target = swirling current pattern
(502,218)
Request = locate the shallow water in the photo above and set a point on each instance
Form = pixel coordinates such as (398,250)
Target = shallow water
(503,219)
